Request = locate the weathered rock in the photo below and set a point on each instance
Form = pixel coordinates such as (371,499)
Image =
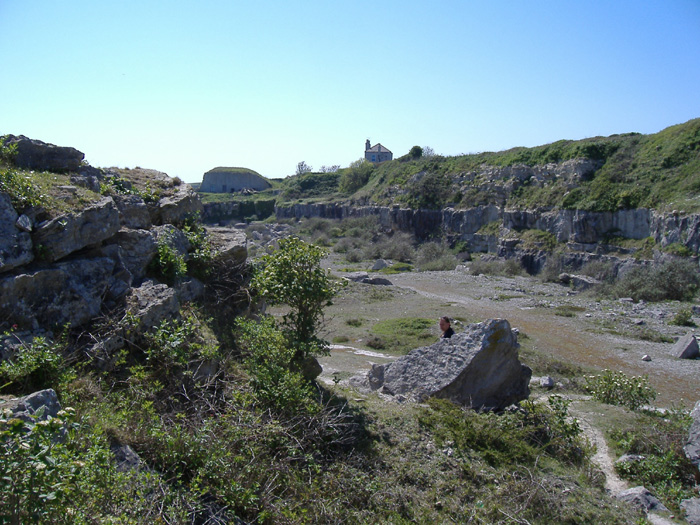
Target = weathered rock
(686,347)
(127,460)
(380,281)
(176,208)
(133,212)
(583,282)
(67,292)
(642,499)
(189,289)
(28,408)
(138,247)
(357,277)
(15,244)
(40,156)
(691,508)
(380,264)
(229,245)
(64,235)
(24,224)
(151,303)
(692,447)
(547,382)
(478,367)
(309,368)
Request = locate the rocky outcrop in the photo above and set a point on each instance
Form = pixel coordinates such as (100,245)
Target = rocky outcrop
(229,245)
(692,447)
(15,242)
(478,368)
(176,208)
(37,155)
(133,212)
(69,292)
(66,234)
(691,509)
(582,230)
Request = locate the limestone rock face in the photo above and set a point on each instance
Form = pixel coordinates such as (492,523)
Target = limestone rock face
(478,367)
(67,292)
(37,155)
(151,303)
(138,247)
(25,407)
(68,233)
(15,244)
(133,212)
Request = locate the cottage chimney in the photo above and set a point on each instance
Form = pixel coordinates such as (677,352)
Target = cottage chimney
(367,146)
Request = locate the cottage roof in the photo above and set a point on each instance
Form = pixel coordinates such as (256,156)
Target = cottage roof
(378,148)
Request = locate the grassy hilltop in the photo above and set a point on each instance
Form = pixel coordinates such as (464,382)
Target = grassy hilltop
(660,171)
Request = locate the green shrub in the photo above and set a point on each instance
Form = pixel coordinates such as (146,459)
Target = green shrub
(35,366)
(683,317)
(200,251)
(616,388)
(168,264)
(677,279)
(433,256)
(292,275)
(355,176)
(270,360)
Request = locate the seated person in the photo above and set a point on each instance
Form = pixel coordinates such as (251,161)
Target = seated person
(447,331)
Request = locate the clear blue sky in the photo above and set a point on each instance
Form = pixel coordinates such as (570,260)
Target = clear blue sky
(183,87)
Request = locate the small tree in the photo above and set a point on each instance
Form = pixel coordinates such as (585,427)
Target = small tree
(355,176)
(303,167)
(293,275)
(416,152)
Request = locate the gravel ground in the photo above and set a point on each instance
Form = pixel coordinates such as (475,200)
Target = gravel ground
(574,327)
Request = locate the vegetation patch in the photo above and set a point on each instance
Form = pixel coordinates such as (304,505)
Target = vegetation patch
(401,335)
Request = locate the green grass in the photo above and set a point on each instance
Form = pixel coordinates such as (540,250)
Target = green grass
(402,335)
(659,171)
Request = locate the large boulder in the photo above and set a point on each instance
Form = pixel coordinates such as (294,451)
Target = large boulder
(66,234)
(67,292)
(478,368)
(686,347)
(15,244)
(692,447)
(40,156)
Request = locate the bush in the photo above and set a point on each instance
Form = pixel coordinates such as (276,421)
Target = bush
(355,176)
(270,360)
(292,275)
(434,256)
(35,366)
(23,193)
(684,317)
(168,264)
(492,266)
(615,388)
(677,279)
